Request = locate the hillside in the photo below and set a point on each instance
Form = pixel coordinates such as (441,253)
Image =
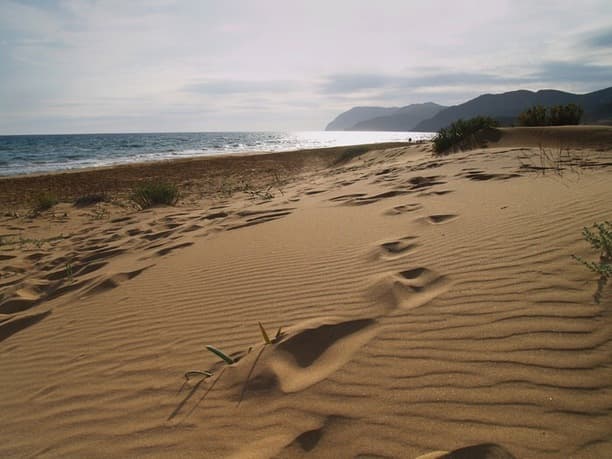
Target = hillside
(507,106)
(348,119)
(404,119)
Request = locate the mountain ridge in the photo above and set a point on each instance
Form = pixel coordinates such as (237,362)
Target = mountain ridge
(504,107)
(404,119)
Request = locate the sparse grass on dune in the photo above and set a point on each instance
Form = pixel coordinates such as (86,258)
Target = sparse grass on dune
(556,160)
(153,193)
(90,199)
(350,153)
(44,201)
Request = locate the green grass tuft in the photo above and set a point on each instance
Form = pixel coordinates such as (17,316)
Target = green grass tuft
(149,194)
(44,201)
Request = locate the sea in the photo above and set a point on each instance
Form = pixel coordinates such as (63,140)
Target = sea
(32,154)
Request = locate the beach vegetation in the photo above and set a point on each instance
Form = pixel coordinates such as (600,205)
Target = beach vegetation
(205,373)
(556,160)
(264,195)
(561,115)
(153,193)
(44,201)
(264,334)
(600,238)
(219,353)
(21,241)
(266,337)
(556,115)
(191,373)
(69,272)
(534,116)
(462,134)
(351,153)
(90,199)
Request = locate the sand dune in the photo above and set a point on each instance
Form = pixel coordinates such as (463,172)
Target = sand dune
(429,307)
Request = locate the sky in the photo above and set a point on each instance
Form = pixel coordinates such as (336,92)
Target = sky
(87,66)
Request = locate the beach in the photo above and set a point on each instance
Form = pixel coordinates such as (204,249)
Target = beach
(413,304)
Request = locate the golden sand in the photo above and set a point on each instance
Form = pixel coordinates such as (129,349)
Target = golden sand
(426,303)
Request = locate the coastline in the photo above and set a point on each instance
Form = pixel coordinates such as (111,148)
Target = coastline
(40,154)
(19,190)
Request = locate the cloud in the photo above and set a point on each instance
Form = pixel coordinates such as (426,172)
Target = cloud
(343,83)
(599,39)
(228,87)
(575,72)
(282,65)
(351,83)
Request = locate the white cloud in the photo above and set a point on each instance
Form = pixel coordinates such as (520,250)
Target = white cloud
(271,64)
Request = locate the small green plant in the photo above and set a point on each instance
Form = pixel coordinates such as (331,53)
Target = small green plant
(221,354)
(461,134)
(69,272)
(600,239)
(44,201)
(265,336)
(149,194)
(207,374)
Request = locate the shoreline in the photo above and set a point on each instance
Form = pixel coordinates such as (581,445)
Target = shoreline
(69,184)
(47,154)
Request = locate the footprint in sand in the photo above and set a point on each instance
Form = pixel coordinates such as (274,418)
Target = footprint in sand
(409,289)
(167,250)
(255,217)
(435,193)
(395,249)
(360,199)
(423,183)
(481,451)
(478,175)
(309,439)
(111,281)
(404,208)
(438,219)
